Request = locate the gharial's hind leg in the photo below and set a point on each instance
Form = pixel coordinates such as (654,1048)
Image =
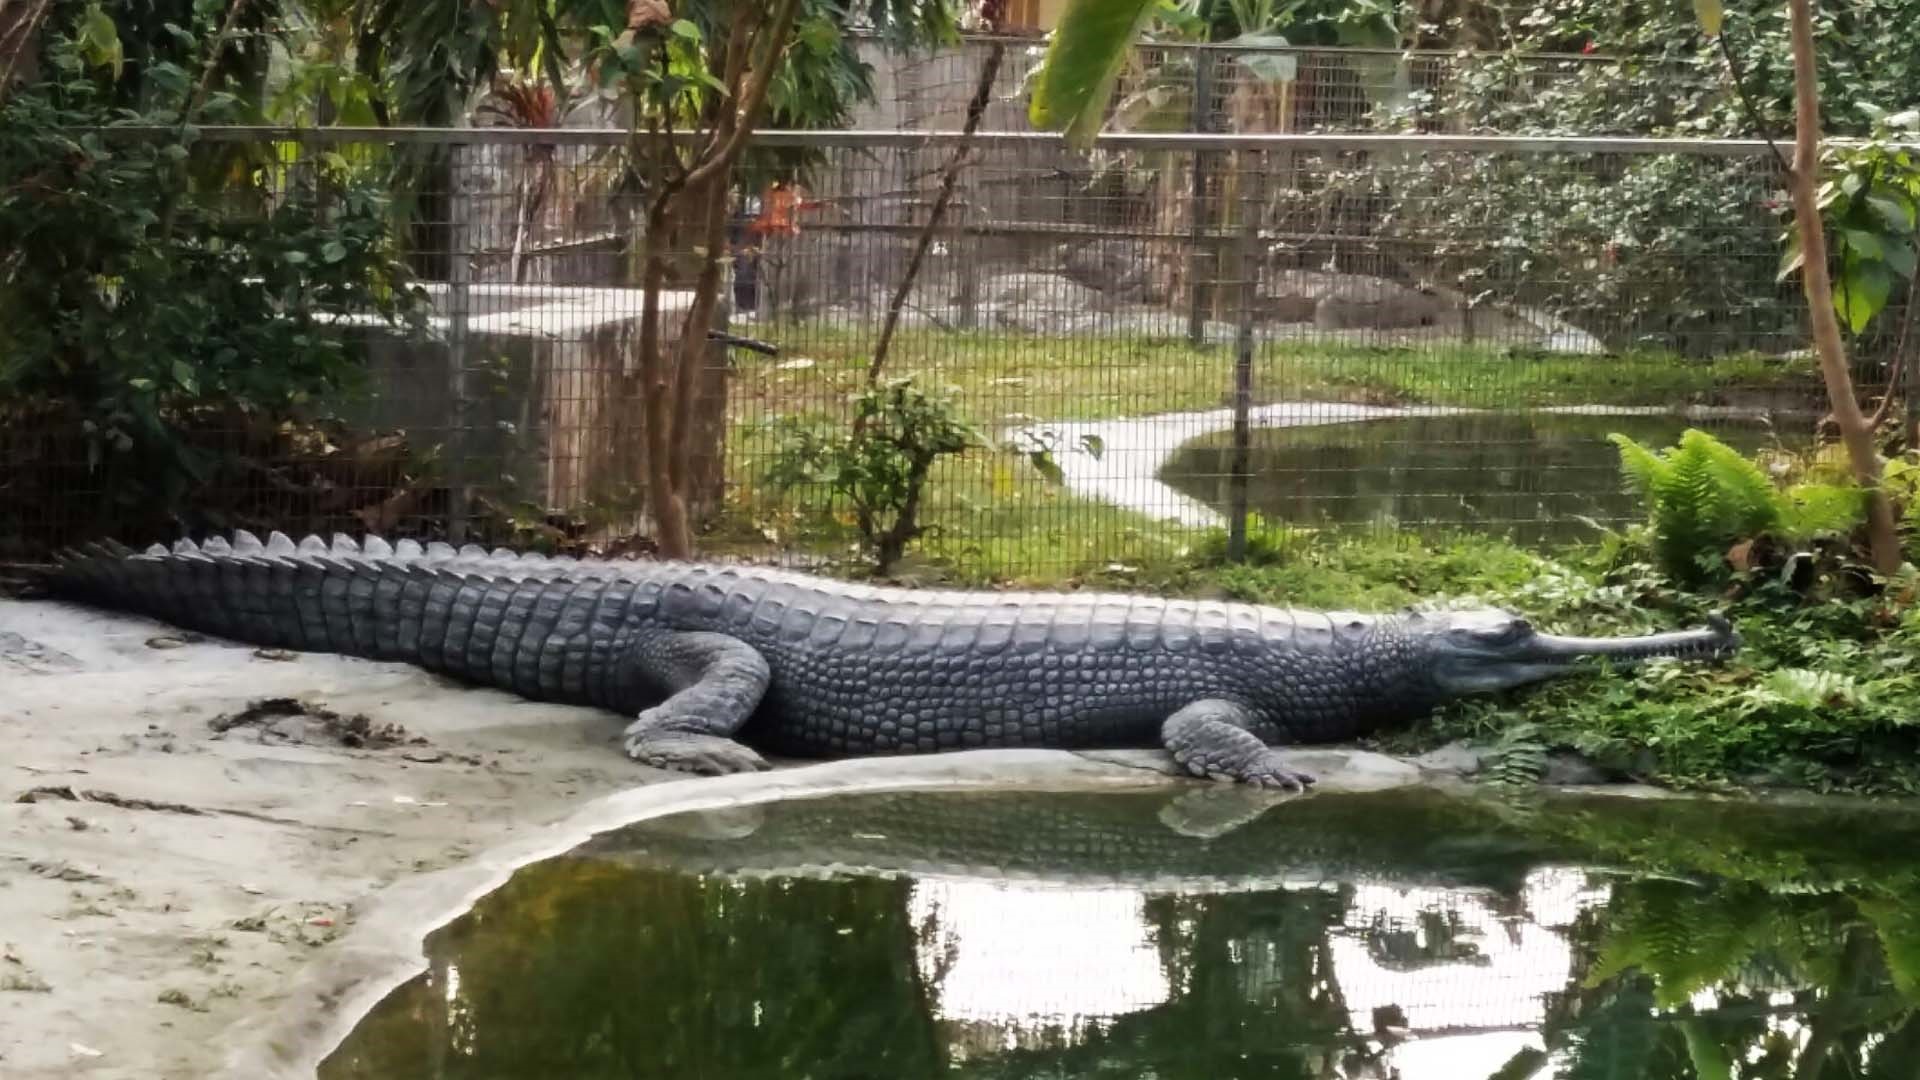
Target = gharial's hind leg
(1211,738)
(715,683)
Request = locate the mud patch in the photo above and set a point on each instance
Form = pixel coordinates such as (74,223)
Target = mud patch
(291,721)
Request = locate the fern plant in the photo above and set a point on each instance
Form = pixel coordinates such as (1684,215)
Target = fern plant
(1704,496)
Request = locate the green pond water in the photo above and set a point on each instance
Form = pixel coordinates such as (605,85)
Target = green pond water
(1531,476)
(1189,932)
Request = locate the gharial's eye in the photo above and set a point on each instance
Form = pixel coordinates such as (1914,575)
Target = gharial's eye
(1511,630)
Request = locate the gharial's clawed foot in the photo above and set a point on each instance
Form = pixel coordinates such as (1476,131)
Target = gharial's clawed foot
(1266,771)
(1270,773)
(704,755)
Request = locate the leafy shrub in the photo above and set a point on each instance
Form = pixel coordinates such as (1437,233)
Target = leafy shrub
(1703,497)
(880,463)
(155,310)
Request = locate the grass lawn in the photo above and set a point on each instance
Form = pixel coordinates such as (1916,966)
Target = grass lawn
(1003,378)
(995,519)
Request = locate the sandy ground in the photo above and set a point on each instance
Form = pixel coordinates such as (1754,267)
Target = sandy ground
(161,879)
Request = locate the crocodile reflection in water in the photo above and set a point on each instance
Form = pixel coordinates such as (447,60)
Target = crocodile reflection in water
(643,955)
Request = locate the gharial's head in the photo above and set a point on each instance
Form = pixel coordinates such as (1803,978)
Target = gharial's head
(1483,650)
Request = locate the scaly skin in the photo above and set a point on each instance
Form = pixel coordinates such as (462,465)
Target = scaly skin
(810,667)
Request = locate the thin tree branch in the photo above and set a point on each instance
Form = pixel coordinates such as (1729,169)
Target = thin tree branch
(949,180)
(225,33)
(19,41)
(752,96)
(1753,112)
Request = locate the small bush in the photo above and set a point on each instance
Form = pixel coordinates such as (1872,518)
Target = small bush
(880,463)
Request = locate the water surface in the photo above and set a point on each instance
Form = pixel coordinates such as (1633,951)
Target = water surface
(1190,932)
(1531,476)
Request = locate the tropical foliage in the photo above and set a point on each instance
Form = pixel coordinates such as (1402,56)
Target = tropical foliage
(1703,497)
(163,313)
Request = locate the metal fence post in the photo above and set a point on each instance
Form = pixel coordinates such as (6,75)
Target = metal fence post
(1197,255)
(459,311)
(1246,269)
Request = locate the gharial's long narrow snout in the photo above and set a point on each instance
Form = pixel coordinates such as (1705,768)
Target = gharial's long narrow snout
(1714,640)
(1491,650)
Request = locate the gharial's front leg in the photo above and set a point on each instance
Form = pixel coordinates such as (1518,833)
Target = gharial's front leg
(714,682)
(1211,738)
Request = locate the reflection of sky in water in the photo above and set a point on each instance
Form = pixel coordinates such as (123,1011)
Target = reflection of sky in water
(1028,953)
(1026,958)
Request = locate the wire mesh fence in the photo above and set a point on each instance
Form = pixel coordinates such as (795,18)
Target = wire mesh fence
(1267,89)
(1167,341)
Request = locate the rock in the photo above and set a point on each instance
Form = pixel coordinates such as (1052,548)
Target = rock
(1118,268)
(1564,767)
(1336,770)
(1028,292)
(1454,759)
(1336,301)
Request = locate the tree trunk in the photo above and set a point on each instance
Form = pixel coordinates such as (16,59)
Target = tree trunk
(753,51)
(1882,538)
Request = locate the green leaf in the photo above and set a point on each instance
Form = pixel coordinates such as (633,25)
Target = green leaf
(99,39)
(1897,212)
(1860,293)
(333,251)
(1900,260)
(685,29)
(1046,466)
(1862,243)
(1710,16)
(1089,47)
(1708,1053)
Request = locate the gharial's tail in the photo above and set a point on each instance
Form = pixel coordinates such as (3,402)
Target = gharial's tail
(431,605)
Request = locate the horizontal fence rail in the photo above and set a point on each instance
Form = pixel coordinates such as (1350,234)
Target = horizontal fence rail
(1174,345)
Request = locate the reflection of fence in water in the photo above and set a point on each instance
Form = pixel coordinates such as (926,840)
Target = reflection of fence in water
(1312,273)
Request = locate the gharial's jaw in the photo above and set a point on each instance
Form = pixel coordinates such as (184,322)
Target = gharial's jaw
(1477,667)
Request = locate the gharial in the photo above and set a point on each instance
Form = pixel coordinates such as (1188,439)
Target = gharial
(703,654)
